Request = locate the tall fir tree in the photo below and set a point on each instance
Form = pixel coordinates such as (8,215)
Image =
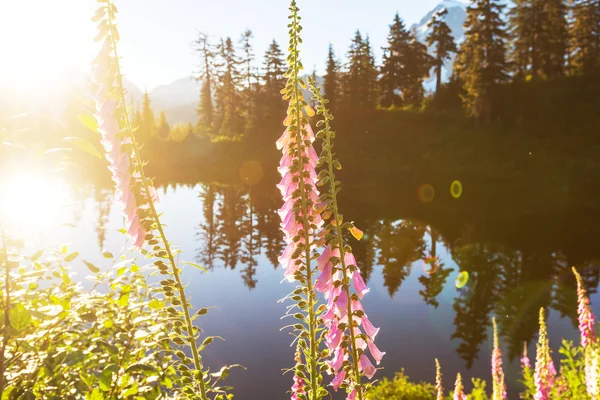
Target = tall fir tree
(248,79)
(481,60)
(540,38)
(205,109)
(359,89)
(584,55)
(406,64)
(162,129)
(147,123)
(442,40)
(331,79)
(274,68)
(229,122)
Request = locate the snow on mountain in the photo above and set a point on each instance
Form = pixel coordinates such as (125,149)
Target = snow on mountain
(179,99)
(457,14)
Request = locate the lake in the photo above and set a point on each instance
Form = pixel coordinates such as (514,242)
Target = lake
(418,239)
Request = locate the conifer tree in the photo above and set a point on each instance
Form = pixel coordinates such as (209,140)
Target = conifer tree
(539,29)
(205,110)
(440,37)
(585,36)
(359,83)
(248,78)
(274,68)
(147,122)
(406,64)
(163,129)
(352,75)
(229,122)
(369,75)
(481,59)
(331,80)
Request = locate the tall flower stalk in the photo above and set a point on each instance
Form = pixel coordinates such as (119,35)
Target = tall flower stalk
(498,387)
(340,279)
(300,222)
(545,372)
(588,340)
(138,197)
(439,385)
(459,389)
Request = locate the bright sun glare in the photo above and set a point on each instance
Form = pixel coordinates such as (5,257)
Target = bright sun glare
(41,42)
(30,201)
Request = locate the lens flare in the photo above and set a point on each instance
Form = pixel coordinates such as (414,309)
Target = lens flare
(31,201)
(456,189)
(426,193)
(462,279)
(251,172)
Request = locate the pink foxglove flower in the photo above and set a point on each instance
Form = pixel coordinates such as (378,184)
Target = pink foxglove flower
(115,143)
(586,318)
(439,385)
(459,390)
(544,367)
(364,364)
(499,388)
(297,388)
(525,362)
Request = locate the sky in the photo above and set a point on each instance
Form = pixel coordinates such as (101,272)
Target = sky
(42,40)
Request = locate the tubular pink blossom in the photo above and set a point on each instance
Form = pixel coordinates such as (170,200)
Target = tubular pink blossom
(359,285)
(364,364)
(337,381)
(297,388)
(352,395)
(370,330)
(375,352)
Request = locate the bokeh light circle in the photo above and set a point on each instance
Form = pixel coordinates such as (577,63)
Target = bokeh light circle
(462,279)
(251,172)
(456,189)
(426,193)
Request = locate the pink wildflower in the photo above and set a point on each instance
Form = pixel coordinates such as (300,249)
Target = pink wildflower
(499,388)
(297,387)
(364,365)
(114,143)
(544,367)
(337,381)
(586,318)
(459,392)
(525,363)
(439,385)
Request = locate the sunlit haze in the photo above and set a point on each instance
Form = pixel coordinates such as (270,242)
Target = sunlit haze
(44,41)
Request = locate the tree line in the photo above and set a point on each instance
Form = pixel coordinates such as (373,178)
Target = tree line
(530,40)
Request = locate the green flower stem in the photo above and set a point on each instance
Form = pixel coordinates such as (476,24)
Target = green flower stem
(305,212)
(174,269)
(340,242)
(6,329)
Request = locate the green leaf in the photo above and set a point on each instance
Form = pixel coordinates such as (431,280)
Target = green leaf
(200,267)
(37,255)
(84,145)
(105,378)
(156,304)
(123,300)
(145,368)
(71,256)
(19,317)
(89,121)
(91,267)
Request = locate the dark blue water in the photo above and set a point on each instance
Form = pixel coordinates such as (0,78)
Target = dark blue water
(422,315)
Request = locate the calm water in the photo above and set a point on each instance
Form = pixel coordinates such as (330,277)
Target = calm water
(515,264)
